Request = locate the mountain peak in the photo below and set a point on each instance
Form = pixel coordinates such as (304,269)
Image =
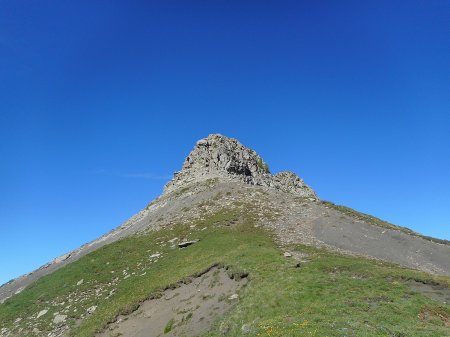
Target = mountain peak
(221,153)
(218,156)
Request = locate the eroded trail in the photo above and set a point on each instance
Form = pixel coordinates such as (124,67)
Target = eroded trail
(187,310)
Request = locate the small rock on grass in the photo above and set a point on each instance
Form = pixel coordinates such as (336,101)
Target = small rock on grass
(233,297)
(42,313)
(91,310)
(59,319)
(187,243)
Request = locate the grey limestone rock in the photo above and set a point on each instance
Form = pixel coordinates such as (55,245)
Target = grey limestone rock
(91,310)
(59,319)
(217,156)
(187,243)
(41,313)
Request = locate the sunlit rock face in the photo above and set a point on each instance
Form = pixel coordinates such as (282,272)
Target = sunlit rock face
(217,156)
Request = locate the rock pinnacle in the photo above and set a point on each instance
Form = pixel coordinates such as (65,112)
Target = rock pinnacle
(217,156)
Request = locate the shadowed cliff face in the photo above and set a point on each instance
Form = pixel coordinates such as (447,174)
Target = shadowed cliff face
(223,157)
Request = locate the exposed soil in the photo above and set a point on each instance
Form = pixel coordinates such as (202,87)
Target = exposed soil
(341,231)
(438,292)
(188,310)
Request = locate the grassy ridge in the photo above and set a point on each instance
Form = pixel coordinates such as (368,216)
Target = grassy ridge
(330,295)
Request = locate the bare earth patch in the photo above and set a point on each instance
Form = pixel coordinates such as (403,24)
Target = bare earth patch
(188,310)
(438,292)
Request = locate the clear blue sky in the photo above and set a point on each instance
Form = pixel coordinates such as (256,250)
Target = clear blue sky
(100,101)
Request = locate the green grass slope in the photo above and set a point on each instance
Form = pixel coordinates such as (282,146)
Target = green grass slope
(329,295)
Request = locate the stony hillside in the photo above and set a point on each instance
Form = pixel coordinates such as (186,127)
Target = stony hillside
(231,249)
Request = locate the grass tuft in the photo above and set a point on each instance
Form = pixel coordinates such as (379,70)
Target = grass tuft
(169,326)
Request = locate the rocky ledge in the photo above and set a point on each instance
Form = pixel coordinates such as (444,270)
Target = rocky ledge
(217,156)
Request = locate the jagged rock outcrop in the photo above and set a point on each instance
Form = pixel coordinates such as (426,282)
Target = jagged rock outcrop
(218,156)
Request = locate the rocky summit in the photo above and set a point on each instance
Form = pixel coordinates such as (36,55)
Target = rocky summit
(230,249)
(217,156)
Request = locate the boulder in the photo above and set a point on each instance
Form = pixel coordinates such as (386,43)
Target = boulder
(186,243)
(59,319)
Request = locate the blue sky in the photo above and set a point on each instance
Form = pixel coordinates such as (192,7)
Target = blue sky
(100,101)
